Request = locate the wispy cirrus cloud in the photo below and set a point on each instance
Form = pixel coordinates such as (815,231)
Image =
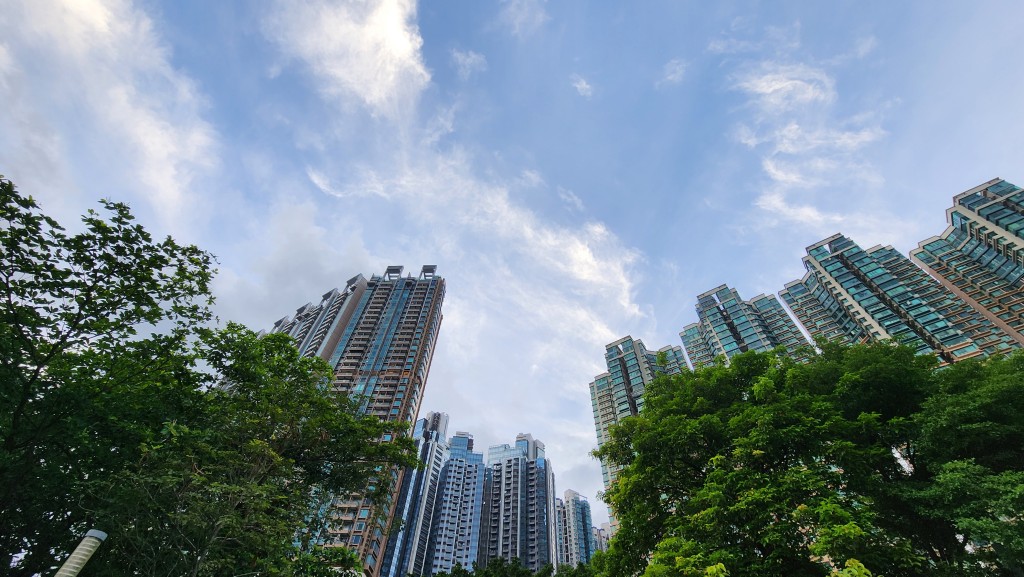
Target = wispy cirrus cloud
(861,49)
(801,142)
(523,17)
(777,87)
(467,62)
(570,198)
(807,147)
(444,191)
(583,88)
(100,77)
(865,45)
(778,39)
(672,73)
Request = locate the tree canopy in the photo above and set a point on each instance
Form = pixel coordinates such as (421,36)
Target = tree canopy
(864,460)
(196,449)
(500,567)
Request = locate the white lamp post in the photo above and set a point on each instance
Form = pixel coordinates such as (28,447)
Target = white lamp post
(80,556)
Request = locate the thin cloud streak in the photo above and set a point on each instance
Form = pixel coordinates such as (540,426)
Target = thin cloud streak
(805,150)
(468,62)
(672,73)
(523,18)
(103,65)
(777,88)
(570,198)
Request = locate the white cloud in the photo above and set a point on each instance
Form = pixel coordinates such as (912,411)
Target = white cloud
(370,51)
(672,73)
(442,188)
(731,46)
(523,17)
(793,138)
(531,178)
(570,198)
(468,62)
(780,39)
(778,87)
(807,150)
(101,78)
(784,175)
(291,254)
(529,291)
(322,182)
(862,48)
(581,85)
(441,124)
(865,46)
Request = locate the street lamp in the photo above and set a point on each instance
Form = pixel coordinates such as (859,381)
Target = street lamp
(80,556)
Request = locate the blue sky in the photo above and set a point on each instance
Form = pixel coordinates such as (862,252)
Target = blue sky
(578,171)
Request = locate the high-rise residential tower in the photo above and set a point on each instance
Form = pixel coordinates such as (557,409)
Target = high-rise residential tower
(728,325)
(456,534)
(575,529)
(601,536)
(409,546)
(518,511)
(980,255)
(856,295)
(618,393)
(379,335)
(561,538)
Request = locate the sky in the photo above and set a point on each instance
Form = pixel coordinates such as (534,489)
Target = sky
(578,171)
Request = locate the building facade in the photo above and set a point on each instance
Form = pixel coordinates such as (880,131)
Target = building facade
(410,545)
(518,509)
(856,295)
(601,536)
(980,255)
(561,537)
(728,325)
(379,336)
(458,514)
(574,529)
(618,393)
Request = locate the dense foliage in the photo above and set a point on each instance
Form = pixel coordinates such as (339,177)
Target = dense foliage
(864,460)
(502,568)
(195,449)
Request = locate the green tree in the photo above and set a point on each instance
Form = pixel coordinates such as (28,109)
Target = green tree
(499,567)
(768,467)
(197,450)
(228,490)
(580,570)
(71,311)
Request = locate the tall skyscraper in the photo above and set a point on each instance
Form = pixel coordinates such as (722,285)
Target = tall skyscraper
(317,329)
(980,255)
(561,537)
(601,536)
(857,295)
(409,546)
(379,335)
(574,529)
(728,325)
(457,521)
(518,520)
(618,393)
